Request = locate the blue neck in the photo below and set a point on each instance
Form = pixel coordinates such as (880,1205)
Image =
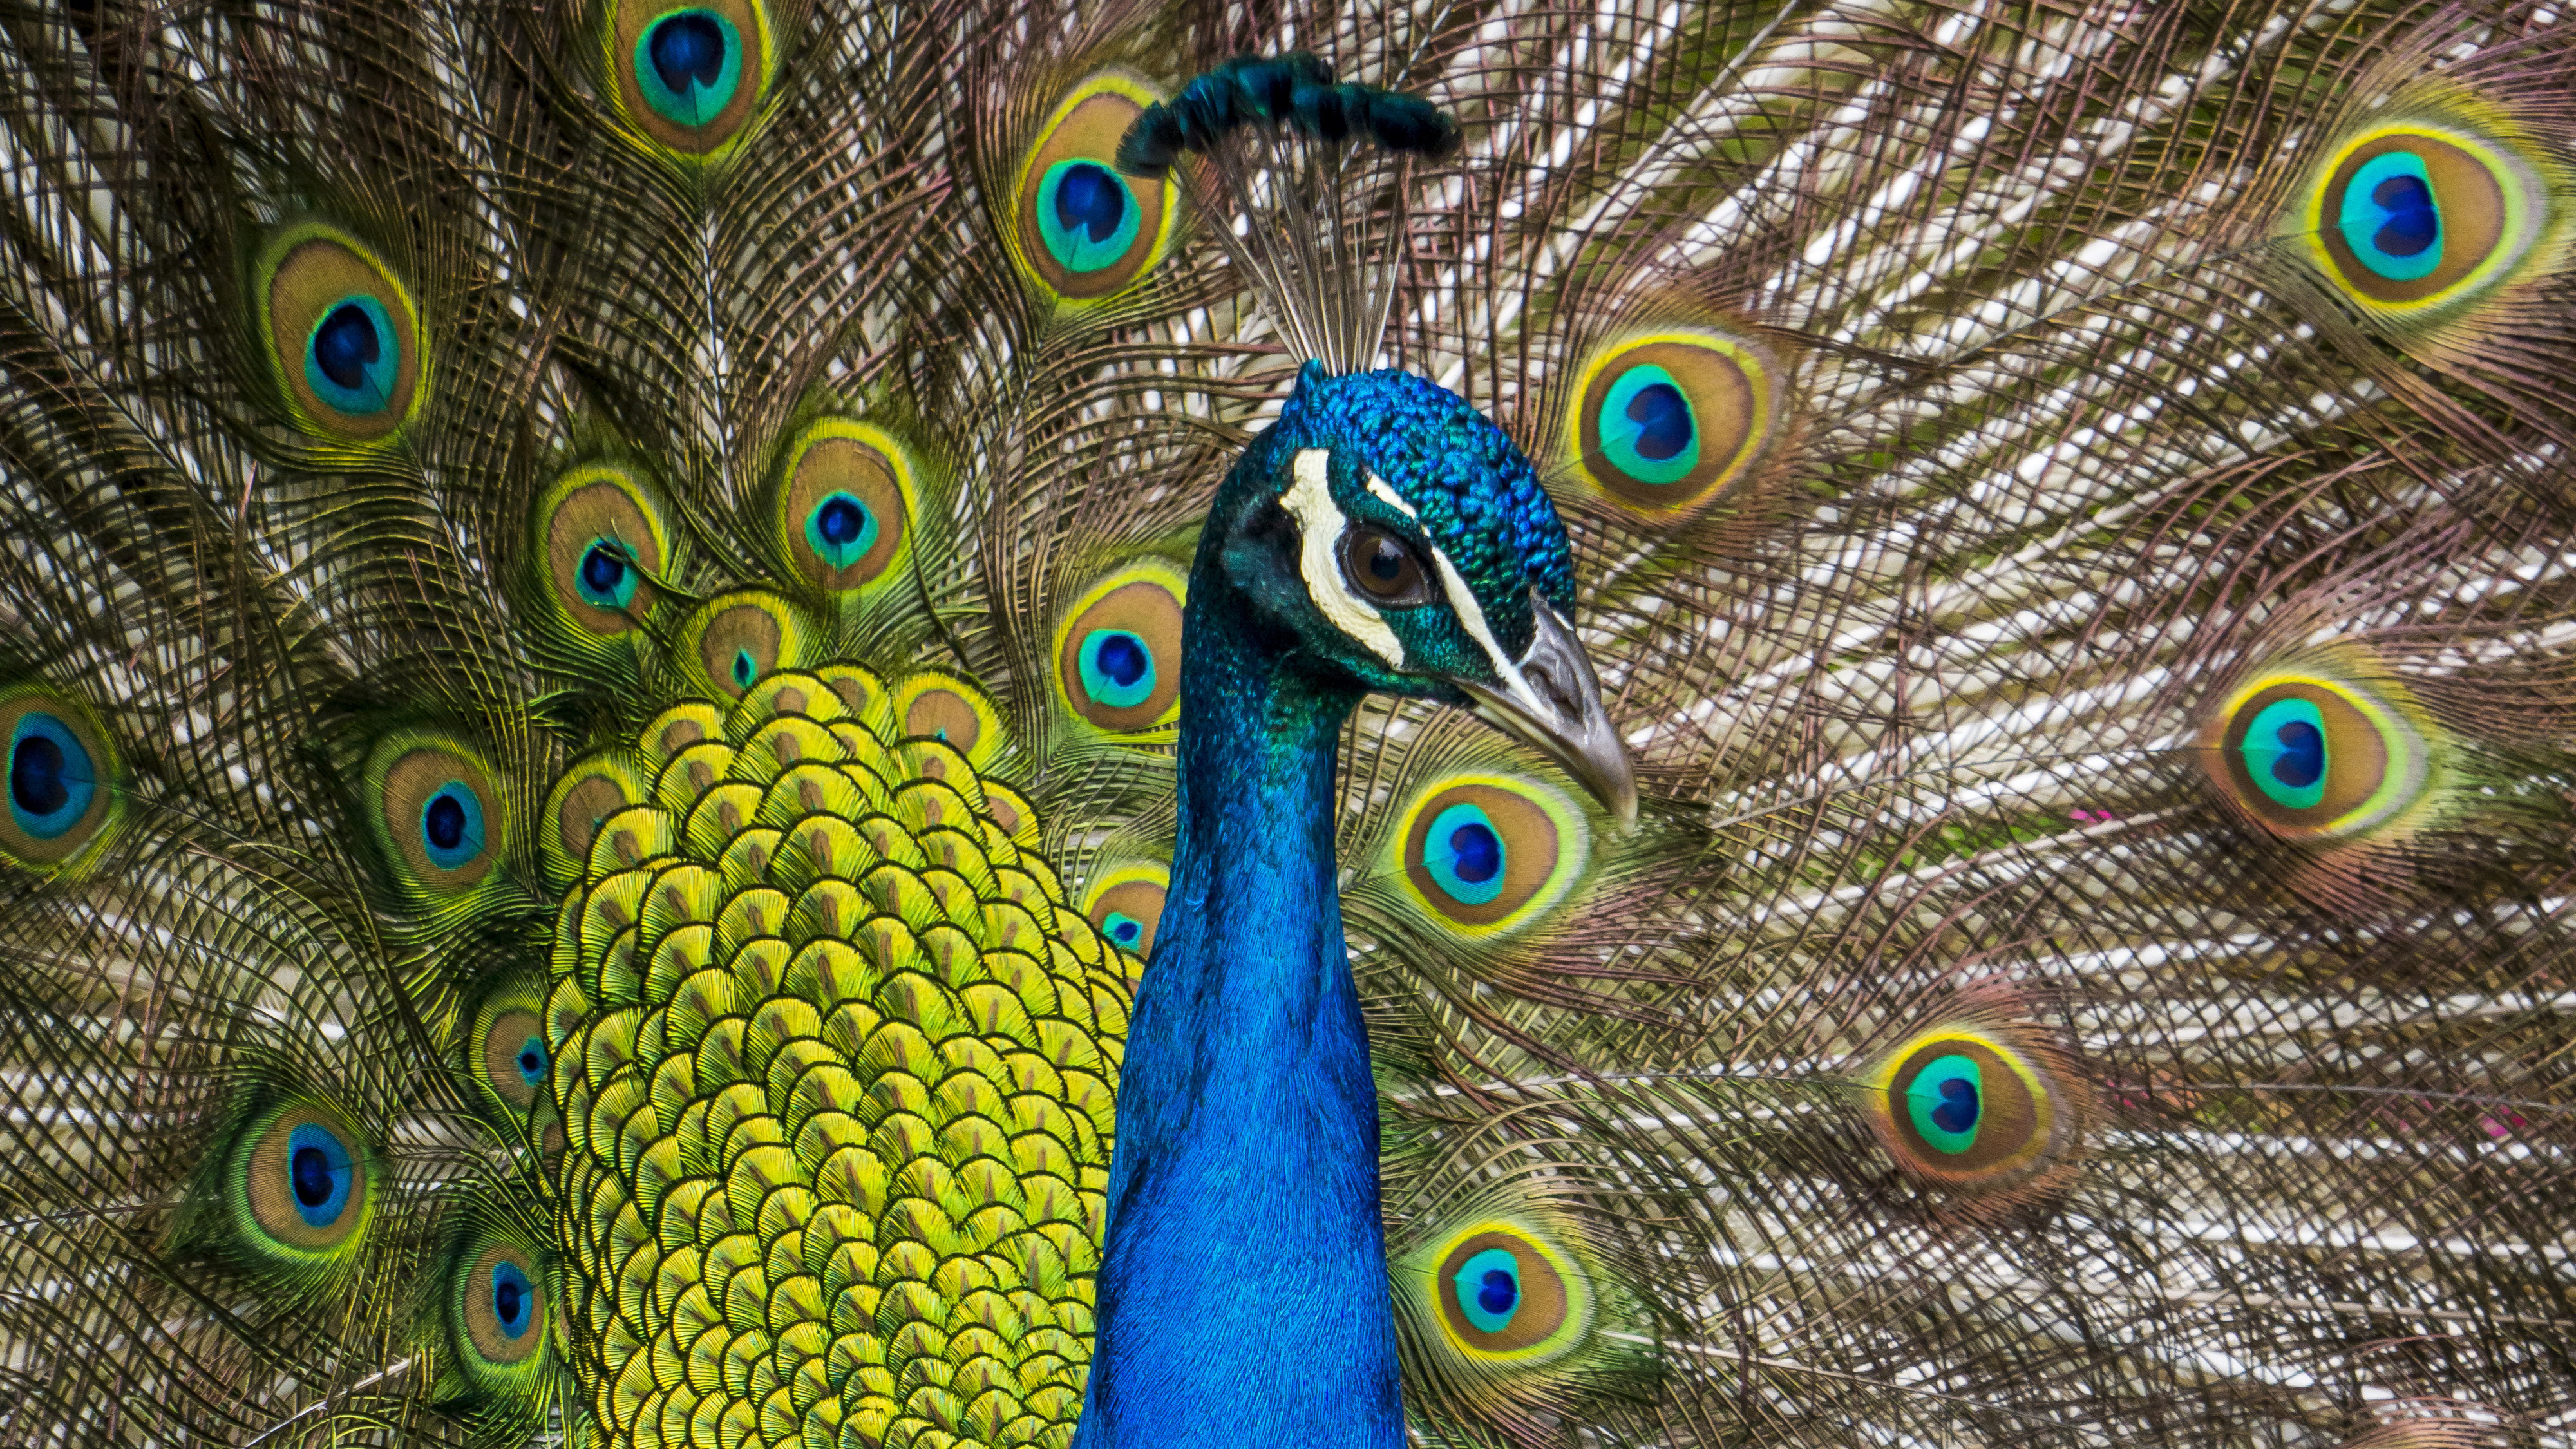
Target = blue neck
(1243,1293)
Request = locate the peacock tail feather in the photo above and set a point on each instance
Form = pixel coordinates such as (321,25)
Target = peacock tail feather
(594,599)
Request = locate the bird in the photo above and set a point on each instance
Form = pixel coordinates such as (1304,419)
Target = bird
(1786,722)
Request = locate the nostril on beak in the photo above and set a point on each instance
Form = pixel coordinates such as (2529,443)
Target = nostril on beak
(1559,691)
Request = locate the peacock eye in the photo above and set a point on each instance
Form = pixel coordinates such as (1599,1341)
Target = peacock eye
(1506,1297)
(2313,758)
(1666,422)
(515,1058)
(689,75)
(302,1180)
(439,813)
(1488,853)
(346,335)
(1084,231)
(1963,1108)
(1126,905)
(500,1308)
(1118,659)
(600,535)
(2409,217)
(1382,567)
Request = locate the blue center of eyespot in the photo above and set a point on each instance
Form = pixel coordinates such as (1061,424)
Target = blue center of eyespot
(1465,854)
(1125,929)
(745,668)
(451,825)
(2286,753)
(319,1171)
(1117,668)
(1663,421)
(1946,1100)
(1489,1289)
(608,575)
(514,1302)
(532,1062)
(2390,218)
(51,778)
(1648,430)
(351,357)
(1086,216)
(688,65)
(841,530)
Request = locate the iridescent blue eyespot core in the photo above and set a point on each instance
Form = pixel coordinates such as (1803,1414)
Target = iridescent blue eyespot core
(2285,752)
(514,1301)
(1489,1289)
(841,530)
(320,1169)
(1648,430)
(353,358)
(451,825)
(51,776)
(746,670)
(688,64)
(2390,219)
(1466,855)
(1945,1102)
(608,575)
(1117,668)
(1124,929)
(1086,216)
(531,1062)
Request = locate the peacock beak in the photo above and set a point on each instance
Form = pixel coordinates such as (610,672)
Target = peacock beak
(1551,699)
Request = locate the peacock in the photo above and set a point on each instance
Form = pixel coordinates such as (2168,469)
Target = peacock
(1506,726)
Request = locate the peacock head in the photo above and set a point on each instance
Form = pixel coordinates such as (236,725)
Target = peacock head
(1395,540)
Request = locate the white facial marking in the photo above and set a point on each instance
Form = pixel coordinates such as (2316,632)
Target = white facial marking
(1471,617)
(1320,526)
(1391,498)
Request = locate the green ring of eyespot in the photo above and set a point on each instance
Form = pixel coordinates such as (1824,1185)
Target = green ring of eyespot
(1442,861)
(1104,687)
(841,553)
(703,103)
(2259,759)
(1073,249)
(375,391)
(1923,1097)
(1619,434)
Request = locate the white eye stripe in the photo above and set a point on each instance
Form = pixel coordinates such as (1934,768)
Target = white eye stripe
(1391,498)
(1320,526)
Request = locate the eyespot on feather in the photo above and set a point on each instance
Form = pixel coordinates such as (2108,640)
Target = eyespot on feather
(302,1183)
(62,780)
(497,1308)
(846,503)
(1118,648)
(1665,422)
(509,1053)
(437,810)
(934,704)
(736,640)
(587,794)
(2311,757)
(1125,904)
(689,77)
(2417,217)
(343,336)
(1082,230)
(1966,1107)
(1489,854)
(600,535)
(1506,1295)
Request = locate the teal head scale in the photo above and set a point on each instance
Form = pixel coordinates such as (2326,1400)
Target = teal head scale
(1380,536)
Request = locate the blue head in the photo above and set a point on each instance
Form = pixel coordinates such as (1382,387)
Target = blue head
(1385,536)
